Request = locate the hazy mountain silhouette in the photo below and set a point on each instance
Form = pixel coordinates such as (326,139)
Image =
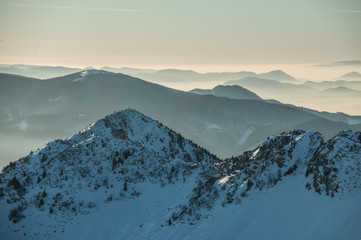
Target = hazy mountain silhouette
(268,88)
(193,78)
(350,75)
(309,94)
(341,92)
(233,92)
(174,78)
(356,85)
(189,75)
(37,71)
(127,70)
(278,75)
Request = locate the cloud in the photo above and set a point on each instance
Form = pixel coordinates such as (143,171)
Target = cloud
(348,11)
(340,64)
(76,8)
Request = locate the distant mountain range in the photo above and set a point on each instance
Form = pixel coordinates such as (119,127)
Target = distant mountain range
(37,71)
(316,95)
(270,88)
(356,85)
(341,92)
(275,85)
(178,78)
(34,112)
(127,176)
(170,77)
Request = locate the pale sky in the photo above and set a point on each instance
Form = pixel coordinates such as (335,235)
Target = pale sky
(205,34)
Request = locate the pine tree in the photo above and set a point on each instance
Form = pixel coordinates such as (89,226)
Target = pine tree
(41,202)
(114,164)
(44,158)
(125,186)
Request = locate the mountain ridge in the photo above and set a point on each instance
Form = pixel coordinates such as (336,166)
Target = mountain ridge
(127,154)
(35,112)
(233,92)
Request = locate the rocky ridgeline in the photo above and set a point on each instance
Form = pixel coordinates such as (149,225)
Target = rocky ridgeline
(328,168)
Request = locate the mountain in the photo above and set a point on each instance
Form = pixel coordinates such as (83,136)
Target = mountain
(34,112)
(127,70)
(311,95)
(336,96)
(37,71)
(268,88)
(350,75)
(128,176)
(278,75)
(186,79)
(188,75)
(356,85)
(174,78)
(341,92)
(233,92)
(192,76)
(338,117)
(114,159)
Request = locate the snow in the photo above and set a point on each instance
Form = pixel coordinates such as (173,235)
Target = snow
(287,211)
(224,180)
(133,218)
(84,74)
(175,190)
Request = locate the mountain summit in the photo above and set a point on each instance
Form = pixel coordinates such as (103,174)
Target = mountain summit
(278,75)
(128,176)
(233,92)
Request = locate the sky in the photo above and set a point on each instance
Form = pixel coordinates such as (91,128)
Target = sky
(210,35)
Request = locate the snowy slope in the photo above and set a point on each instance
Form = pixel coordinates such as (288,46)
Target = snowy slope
(129,177)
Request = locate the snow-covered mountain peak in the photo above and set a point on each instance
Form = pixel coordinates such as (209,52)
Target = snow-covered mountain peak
(131,125)
(121,124)
(106,162)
